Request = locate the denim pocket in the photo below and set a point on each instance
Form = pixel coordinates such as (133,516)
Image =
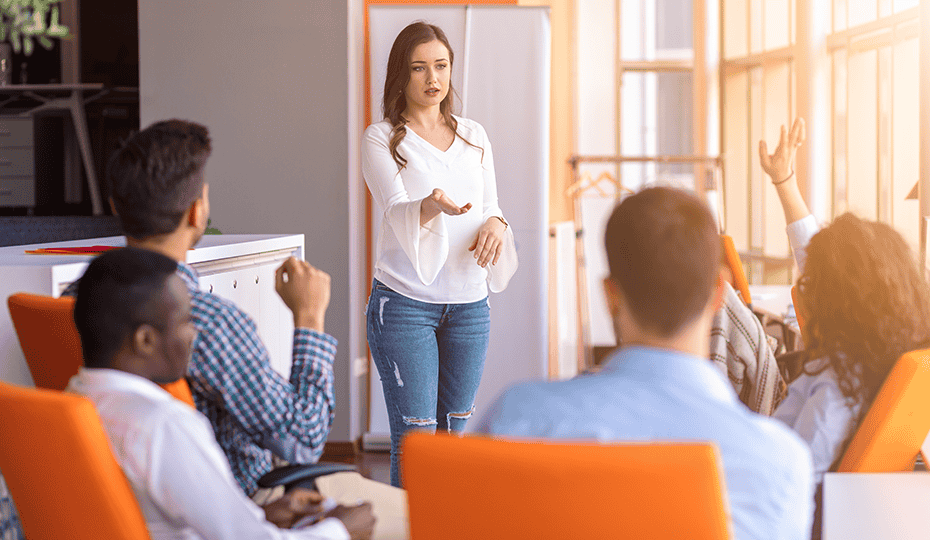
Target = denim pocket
(382,287)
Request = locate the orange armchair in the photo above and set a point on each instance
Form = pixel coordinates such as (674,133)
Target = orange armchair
(47,335)
(52,348)
(505,489)
(58,466)
(51,344)
(736,268)
(892,432)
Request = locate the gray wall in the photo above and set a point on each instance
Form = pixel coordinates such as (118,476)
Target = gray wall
(269,79)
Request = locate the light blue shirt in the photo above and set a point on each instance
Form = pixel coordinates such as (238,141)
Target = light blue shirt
(645,394)
(816,410)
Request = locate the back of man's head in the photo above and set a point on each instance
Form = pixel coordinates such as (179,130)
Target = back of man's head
(663,250)
(156,175)
(119,291)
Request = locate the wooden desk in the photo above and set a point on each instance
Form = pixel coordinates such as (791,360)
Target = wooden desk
(889,506)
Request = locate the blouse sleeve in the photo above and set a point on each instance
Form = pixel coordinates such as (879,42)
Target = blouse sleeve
(427,246)
(498,274)
(800,233)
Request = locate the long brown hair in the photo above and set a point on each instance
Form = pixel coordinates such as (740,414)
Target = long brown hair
(398,75)
(866,303)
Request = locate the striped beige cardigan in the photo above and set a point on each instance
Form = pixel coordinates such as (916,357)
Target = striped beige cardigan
(740,348)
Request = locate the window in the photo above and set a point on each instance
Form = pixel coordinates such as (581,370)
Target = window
(866,52)
(758,98)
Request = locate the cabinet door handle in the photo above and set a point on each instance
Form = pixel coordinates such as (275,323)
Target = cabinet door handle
(6,162)
(6,191)
(5,133)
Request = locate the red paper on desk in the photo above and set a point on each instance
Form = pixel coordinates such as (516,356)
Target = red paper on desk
(82,250)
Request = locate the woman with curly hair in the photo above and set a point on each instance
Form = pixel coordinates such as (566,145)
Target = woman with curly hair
(863,302)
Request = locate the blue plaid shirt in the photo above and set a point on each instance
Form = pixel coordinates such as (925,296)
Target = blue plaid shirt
(255,412)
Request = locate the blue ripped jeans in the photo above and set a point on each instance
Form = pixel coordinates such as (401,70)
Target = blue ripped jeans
(430,358)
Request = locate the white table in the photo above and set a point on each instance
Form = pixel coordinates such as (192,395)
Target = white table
(772,298)
(887,506)
(235,266)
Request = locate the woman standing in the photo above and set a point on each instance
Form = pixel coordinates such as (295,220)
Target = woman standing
(428,313)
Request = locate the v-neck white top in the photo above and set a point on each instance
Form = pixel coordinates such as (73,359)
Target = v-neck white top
(431,263)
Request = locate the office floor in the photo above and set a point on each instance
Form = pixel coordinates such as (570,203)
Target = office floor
(374,465)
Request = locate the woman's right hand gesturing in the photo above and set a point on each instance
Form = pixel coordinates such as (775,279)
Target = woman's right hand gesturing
(439,203)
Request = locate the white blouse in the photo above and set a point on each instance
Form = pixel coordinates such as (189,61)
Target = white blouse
(431,263)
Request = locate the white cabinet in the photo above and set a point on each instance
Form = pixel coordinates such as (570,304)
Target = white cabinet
(17,164)
(240,268)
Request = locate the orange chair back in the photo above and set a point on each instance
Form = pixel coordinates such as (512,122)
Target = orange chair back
(47,335)
(180,390)
(736,268)
(60,471)
(505,489)
(51,344)
(892,432)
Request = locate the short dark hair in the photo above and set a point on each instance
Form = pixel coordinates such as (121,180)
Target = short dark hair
(156,175)
(118,292)
(663,250)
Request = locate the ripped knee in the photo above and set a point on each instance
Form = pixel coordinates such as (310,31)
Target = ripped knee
(458,416)
(419,422)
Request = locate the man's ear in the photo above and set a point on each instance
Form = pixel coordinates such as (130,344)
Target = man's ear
(613,296)
(145,340)
(196,214)
(720,289)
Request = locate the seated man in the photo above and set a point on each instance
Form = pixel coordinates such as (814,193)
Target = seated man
(664,287)
(133,314)
(158,190)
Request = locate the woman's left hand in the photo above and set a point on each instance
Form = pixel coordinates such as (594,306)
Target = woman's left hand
(489,243)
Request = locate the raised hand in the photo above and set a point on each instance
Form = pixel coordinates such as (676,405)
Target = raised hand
(780,165)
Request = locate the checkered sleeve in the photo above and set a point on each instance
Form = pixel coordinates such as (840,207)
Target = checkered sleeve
(232,367)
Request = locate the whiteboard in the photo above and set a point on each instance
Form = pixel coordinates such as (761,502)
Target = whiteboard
(509,96)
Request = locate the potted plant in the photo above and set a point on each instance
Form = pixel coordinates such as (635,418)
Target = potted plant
(22,24)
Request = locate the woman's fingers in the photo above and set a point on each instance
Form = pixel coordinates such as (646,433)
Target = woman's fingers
(488,249)
(798,133)
(764,158)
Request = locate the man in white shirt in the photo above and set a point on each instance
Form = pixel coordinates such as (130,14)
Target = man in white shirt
(134,317)
(664,287)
